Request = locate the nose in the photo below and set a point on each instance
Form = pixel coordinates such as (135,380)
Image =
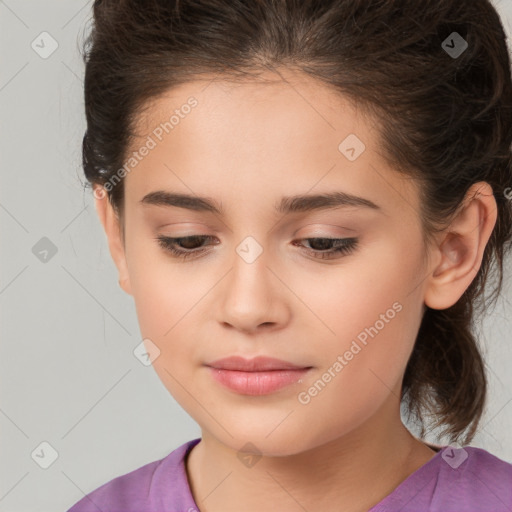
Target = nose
(253,296)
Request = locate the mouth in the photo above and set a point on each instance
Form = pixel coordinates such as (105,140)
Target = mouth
(256,364)
(257,376)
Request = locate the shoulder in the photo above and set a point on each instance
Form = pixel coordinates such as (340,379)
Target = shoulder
(473,476)
(467,479)
(145,488)
(122,493)
(471,460)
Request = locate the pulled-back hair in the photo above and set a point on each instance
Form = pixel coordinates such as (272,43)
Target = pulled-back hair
(444,120)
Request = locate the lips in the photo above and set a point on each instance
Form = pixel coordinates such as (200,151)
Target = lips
(257,364)
(258,376)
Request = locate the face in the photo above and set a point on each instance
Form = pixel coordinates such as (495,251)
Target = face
(262,274)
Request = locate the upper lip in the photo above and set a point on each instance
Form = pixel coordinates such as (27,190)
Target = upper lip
(257,364)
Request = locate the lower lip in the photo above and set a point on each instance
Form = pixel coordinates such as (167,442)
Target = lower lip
(257,383)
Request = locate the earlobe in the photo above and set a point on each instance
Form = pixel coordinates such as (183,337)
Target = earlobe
(460,253)
(112,226)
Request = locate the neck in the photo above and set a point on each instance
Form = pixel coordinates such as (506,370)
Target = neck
(357,470)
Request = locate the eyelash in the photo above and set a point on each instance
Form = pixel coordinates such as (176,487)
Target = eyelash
(348,245)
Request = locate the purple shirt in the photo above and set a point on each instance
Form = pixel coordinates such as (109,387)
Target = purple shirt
(454,480)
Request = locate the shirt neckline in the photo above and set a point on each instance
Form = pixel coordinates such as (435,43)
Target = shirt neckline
(409,486)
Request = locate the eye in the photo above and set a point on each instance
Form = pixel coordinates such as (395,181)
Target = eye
(189,242)
(322,248)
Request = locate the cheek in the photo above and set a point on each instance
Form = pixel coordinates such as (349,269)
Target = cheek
(164,300)
(342,301)
(367,314)
(168,300)
(163,290)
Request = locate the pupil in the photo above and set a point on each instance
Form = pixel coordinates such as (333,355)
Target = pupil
(185,242)
(323,242)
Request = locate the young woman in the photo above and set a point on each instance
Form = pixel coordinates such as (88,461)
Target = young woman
(306,199)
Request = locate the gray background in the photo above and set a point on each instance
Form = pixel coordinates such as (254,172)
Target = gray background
(69,376)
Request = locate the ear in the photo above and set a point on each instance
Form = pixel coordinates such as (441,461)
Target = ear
(113,229)
(460,252)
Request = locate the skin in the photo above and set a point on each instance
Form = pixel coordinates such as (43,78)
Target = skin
(246,146)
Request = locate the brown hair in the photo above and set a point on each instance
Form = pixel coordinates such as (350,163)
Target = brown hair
(444,120)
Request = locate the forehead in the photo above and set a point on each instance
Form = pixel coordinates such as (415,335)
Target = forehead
(282,135)
(270,111)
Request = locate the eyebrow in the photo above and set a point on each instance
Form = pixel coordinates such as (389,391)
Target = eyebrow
(287,204)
